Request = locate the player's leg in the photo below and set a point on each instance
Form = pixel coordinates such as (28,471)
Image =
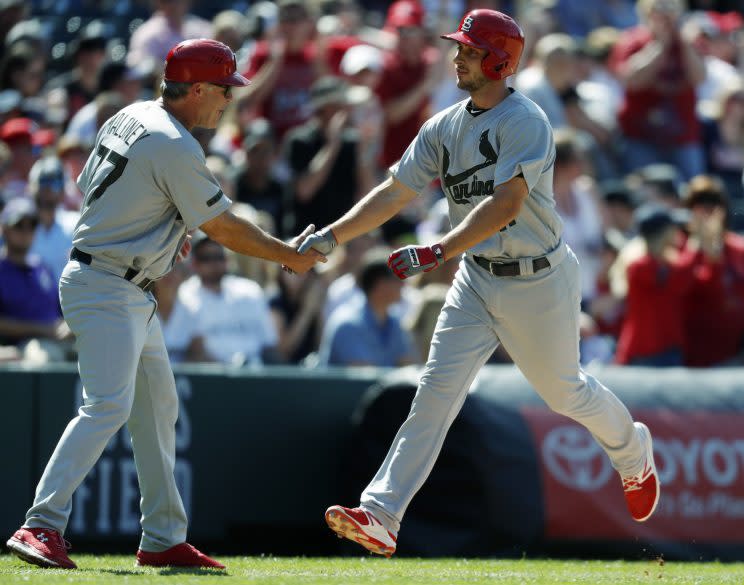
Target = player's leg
(109,320)
(463,340)
(152,426)
(538,326)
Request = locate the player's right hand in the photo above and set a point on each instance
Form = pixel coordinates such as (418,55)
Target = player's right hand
(410,260)
(323,241)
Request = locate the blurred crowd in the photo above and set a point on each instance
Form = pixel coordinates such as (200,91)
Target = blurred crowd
(646,99)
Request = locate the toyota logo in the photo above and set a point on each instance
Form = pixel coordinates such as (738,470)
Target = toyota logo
(575,459)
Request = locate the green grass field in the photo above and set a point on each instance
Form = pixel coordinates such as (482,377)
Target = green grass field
(374,570)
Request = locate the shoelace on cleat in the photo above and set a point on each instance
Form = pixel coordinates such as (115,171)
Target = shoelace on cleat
(631,483)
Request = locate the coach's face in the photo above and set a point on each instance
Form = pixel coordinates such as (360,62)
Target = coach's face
(213,99)
(467,60)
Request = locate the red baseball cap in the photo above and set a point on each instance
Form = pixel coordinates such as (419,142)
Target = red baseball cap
(404,13)
(18,129)
(726,22)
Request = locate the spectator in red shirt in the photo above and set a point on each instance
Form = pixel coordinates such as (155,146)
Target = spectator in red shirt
(409,74)
(282,69)
(715,307)
(660,70)
(653,331)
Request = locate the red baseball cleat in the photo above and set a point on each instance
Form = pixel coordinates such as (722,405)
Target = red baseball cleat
(43,547)
(361,527)
(181,555)
(642,491)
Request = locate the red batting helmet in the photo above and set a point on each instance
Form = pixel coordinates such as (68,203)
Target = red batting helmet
(496,32)
(202,60)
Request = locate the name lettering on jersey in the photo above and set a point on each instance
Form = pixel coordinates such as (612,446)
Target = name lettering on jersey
(457,186)
(125,127)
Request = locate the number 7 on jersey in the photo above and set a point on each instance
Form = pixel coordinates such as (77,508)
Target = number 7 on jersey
(119,163)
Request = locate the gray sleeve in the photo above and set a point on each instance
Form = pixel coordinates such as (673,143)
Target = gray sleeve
(418,165)
(192,187)
(525,148)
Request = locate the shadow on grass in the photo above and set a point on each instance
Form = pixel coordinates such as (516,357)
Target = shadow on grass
(167,571)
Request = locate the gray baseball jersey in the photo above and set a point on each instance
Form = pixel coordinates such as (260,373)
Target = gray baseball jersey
(145,187)
(474,154)
(535,315)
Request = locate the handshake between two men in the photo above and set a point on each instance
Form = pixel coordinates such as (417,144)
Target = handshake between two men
(404,262)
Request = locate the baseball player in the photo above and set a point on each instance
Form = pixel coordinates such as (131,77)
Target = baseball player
(145,185)
(517,283)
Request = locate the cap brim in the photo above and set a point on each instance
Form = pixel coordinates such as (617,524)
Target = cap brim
(235,79)
(461,37)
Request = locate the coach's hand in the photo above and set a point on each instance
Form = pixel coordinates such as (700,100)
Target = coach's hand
(295,242)
(411,260)
(323,241)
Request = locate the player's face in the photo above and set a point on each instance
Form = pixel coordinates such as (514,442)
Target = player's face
(216,99)
(467,60)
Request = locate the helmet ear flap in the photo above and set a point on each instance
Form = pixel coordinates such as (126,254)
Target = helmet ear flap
(496,66)
(493,67)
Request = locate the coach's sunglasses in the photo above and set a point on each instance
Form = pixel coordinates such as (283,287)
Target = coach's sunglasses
(226,90)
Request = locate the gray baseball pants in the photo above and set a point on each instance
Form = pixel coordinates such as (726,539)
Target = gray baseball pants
(127,378)
(536,318)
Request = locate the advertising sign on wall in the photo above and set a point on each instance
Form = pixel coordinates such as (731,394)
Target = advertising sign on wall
(700,460)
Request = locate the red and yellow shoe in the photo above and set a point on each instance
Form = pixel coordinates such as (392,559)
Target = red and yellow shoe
(181,555)
(362,527)
(42,547)
(642,491)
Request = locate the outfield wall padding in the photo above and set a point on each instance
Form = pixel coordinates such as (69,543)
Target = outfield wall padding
(262,452)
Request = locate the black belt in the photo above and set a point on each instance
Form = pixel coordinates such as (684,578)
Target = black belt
(145,284)
(510,268)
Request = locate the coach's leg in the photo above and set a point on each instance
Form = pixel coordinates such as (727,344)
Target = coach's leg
(152,426)
(539,328)
(463,340)
(109,323)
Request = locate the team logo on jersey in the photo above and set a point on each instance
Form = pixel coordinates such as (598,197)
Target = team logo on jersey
(459,186)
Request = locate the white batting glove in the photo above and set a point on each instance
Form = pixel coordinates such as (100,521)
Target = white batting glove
(323,241)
